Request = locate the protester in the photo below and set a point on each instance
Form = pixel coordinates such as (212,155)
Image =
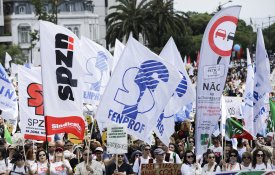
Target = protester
(122,167)
(60,165)
(144,159)
(88,166)
(211,166)
(3,161)
(246,161)
(232,164)
(259,161)
(99,158)
(18,165)
(42,166)
(189,166)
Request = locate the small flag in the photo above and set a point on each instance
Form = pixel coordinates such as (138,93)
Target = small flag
(234,129)
(7,60)
(7,136)
(271,124)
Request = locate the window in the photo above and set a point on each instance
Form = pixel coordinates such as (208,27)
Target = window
(22,10)
(94,32)
(23,34)
(74,29)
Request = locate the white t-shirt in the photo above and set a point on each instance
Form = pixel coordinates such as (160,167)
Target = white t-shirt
(262,166)
(3,166)
(217,150)
(137,165)
(56,168)
(173,156)
(230,167)
(95,165)
(205,169)
(23,170)
(247,168)
(190,169)
(39,168)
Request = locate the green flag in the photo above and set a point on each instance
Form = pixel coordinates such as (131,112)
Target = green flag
(272,117)
(7,136)
(234,129)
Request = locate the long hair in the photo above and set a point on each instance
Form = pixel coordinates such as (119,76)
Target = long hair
(185,157)
(254,160)
(38,152)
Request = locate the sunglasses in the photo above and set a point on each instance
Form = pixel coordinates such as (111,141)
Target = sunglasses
(233,155)
(42,155)
(120,155)
(211,157)
(246,157)
(190,156)
(87,154)
(191,141)
(147,149)
(260,155)
(137,155)
(58,151)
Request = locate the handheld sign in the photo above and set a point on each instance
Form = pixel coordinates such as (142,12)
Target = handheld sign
(117,139)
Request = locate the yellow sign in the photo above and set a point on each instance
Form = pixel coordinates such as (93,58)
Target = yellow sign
(74,139)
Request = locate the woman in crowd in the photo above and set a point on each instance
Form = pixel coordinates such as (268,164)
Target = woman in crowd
(60,165)
(259,161)
(232,164)
(3,161)
(246,161)
(211,166)
(18,165)
(41,166)
(189,166)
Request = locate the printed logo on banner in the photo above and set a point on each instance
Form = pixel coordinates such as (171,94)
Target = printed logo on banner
(35,92)
(144,80)
(180,91)
(63,73)
(3,76)
(94,77)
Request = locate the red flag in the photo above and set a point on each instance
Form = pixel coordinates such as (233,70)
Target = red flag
(198,59)
(188,60)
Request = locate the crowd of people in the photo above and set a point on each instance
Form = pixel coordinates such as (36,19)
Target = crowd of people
(62,157)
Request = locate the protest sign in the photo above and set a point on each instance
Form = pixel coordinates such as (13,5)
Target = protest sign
(160,169)
(117,139)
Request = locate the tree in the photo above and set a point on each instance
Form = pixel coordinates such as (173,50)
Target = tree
(128,17)
(14,51)
(167,23)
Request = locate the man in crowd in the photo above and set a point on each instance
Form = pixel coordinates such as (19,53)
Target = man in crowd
(144,159)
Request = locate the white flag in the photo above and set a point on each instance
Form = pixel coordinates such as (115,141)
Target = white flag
(7,60)
(262,86)
(183,94)
(31,105)
(96,64)
(8,98)
(247,107)
(119,47)
(61,77)
(139,89)
(214,61)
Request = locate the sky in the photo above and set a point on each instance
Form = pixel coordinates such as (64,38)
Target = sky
(257,10)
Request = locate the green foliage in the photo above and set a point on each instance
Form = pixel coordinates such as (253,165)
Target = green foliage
(41,13)
(269,39)
(14,51)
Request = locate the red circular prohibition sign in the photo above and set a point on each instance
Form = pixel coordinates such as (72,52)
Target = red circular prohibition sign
(211,35)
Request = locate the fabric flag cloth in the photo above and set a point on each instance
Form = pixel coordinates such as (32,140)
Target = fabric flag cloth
(7,136)
(7,60)
(234,129)
(8,99)
(140,87)
(31,105)
(119,47)
(271,127)
(61,80)
(214,61)
(189,60)
(262,86)
(247,107)
(198,59)
(97,67)
(184,113)
(183,95)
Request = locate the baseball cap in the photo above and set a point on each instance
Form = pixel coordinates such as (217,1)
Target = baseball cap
(99,149)
(158,151)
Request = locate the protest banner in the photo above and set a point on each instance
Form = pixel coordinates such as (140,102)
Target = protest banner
(215,55)
(97,63)
(137,90)
(117,139)
(233,106)
(61,80)
(160,169)
(31,105)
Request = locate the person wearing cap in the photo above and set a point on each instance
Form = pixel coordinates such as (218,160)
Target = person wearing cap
(99,157)
(159,156)
(144,159)
(122,167)
(77,151)
(60,165)
(88,166)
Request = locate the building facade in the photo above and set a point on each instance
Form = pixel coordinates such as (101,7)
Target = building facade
(77,15)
